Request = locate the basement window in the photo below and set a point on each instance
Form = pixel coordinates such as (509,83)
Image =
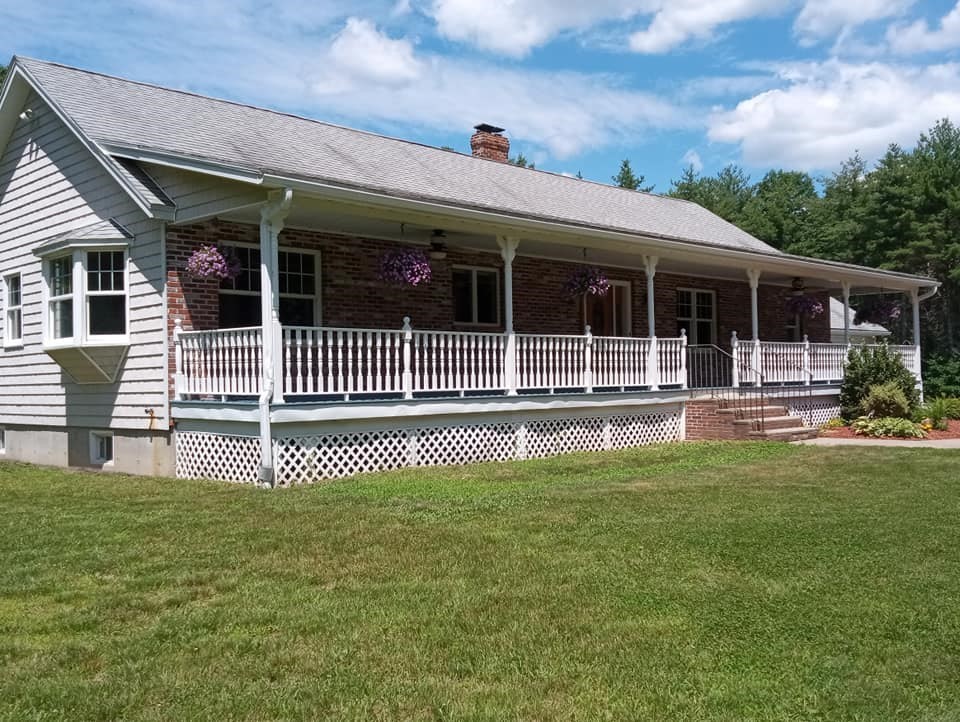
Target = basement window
(101,447)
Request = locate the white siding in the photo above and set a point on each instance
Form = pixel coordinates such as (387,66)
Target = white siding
(199,196)
(50,184)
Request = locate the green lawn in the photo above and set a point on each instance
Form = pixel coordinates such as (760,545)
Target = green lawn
(684,582)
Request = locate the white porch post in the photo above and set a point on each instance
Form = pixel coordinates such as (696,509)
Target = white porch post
(178,360)
(653,364)
(846,312)
(753,275)
(735,352)
(915,299)
(272,216)
(508,251)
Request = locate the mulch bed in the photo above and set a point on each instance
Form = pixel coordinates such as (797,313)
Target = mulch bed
(953,432)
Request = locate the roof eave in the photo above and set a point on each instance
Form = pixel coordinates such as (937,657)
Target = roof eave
(781,263)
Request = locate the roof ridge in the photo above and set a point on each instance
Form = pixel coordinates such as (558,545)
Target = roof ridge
(328,124)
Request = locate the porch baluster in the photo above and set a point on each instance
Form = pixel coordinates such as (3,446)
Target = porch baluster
(407,374)
(588,360)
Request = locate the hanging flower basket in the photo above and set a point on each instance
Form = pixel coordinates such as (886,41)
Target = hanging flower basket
(879,311)
(212,262)
(586,280)
(405,267)
(804,305)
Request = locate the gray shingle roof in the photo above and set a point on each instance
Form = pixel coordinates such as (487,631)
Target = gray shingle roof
(122,112)
(866,328)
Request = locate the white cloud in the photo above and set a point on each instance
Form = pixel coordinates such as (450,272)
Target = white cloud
(361,53)
(820,19)
(343,69)
(825,111)
(677,21)
(918,37)
(692,158)
(515,28)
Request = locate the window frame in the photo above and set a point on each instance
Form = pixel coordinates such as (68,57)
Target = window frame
(96,436)
(8,340)
(80,294)
(318,278)
(474,307)
(694,319)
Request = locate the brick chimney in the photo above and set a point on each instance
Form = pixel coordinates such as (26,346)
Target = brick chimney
(488,143)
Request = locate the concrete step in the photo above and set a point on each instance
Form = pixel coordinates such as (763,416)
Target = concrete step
(772,422)
(766,411)
(795,433)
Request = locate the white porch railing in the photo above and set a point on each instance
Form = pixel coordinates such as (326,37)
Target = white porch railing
(346,362)
(218,363)
(801,363)
(349,362)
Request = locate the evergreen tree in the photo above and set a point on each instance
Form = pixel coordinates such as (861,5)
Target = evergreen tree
(626,178)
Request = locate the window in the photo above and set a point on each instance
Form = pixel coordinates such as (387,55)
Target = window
(298,283)
(696,314)
(3,440)
(60,282)
(101,447)
(13,328)
(106,293)
(87,297)
(476,296)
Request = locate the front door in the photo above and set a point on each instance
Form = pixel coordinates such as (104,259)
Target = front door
(609,315)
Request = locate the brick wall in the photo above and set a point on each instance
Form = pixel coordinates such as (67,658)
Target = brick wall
(352,295)
(705,423)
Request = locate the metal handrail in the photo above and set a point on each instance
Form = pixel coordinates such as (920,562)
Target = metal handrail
(744,399)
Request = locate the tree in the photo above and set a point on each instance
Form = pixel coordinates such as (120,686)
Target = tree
(726,194)
(3,73)
(521,162)
(778,209)
(626,178)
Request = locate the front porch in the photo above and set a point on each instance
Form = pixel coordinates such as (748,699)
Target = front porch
(344,365)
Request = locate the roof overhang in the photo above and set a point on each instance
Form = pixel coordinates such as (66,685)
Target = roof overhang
(835,274)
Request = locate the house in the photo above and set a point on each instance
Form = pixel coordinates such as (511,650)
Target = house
(858,333)
(307,365)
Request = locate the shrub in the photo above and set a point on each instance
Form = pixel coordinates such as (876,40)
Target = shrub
(835,423)
(941,375)
(888,428)
(886,400)
(937,411)
(870,366)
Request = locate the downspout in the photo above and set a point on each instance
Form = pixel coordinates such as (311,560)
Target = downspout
(272,216)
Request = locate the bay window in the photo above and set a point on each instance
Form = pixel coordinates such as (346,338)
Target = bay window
(86,294)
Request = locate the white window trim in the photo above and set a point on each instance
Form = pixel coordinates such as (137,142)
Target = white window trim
(474,305)
(694,318)
(95,457)
(317,268)
(628,300)
(8,340)
(80,295)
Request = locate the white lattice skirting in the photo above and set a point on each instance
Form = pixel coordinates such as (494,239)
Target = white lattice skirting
(819,411)
(305,459)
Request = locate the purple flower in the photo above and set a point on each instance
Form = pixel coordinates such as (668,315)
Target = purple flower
(405,266)
(586,280)
(212,262)
(804,305)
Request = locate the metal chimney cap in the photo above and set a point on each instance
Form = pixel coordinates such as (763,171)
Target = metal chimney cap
(487,128)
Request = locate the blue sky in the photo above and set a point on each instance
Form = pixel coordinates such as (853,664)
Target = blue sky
(577,84)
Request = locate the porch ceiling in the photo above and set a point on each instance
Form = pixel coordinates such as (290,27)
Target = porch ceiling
(350,219)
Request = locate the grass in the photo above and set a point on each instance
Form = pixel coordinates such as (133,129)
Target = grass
(684,582)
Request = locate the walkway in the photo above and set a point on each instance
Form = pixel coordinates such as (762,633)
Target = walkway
(921,443)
